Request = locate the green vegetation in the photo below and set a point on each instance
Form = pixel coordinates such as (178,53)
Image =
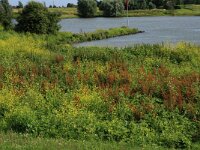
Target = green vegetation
(71,5)
(144,95)
(10,141)
(20,5)
(70,38)
(55,95)
(65,12)
(5,14)
(186,10)
(35,18)
(87,8)
(112,8)
(190,10)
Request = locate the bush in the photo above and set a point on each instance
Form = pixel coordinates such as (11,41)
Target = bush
(177,7)
(70,5)
(5,14)
(20,5)
(169,5)
(35,18)
(87,8)
(22,119)
(112,8)
(152,5)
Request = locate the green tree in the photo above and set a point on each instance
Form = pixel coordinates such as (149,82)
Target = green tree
(5,15)
(87,8)
(169,5)
(112,8)
(35,18)
(158,3)
(53,27)
(151,5)
(142,4)
(20,5)
(70,5)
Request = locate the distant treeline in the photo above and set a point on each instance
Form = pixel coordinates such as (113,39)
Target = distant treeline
(147,4)
(134,4)
(152,4)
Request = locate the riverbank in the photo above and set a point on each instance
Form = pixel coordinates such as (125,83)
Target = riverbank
(100,34)
(186,10)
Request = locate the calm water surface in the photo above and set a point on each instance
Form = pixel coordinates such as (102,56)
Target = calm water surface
(157,29)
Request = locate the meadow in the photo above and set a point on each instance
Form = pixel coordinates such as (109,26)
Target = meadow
(52,93)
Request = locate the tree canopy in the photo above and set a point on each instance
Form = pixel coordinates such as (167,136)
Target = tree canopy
(35,18)
(87,8)
(112,8)
(5,14)
(20,5)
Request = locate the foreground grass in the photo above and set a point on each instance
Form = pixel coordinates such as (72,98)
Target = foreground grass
(141,95)
(187,10)
(13,141)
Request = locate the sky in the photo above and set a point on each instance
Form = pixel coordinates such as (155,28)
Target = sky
(48,2)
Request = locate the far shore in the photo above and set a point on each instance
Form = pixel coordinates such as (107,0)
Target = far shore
(187,10)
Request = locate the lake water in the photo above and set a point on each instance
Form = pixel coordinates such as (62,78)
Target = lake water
(157,29)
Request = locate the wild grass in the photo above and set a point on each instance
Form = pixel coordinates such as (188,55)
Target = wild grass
(187,10)
(10,141)
(141,95)
(96,35)
(66,12)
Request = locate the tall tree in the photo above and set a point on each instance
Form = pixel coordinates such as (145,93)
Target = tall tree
(35,18)
(87,8)
(112,8)
(5,14)
(20,5)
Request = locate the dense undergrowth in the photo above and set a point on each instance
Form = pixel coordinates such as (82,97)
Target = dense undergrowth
(147,94)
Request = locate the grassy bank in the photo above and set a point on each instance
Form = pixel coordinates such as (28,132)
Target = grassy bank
(71,38)
(144,95)
(187,10)
(10,141)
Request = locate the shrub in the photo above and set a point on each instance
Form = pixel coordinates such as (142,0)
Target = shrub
(20,5)
(21,119)
(87,8)
(70,5)
(5,14)
(112,8)
(152,5)
(169,5)
(177,7)
(35,18)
